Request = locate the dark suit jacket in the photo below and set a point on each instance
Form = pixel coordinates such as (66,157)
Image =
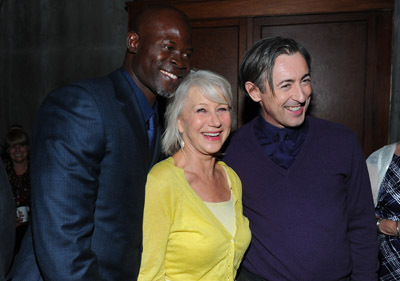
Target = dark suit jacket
(89,162)
(7,223)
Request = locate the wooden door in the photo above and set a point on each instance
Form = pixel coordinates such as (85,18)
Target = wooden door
(219,45)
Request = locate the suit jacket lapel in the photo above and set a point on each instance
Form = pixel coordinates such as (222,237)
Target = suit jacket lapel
(125,94)
(157,149)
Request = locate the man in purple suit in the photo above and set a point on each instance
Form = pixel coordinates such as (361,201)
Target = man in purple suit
(306,189)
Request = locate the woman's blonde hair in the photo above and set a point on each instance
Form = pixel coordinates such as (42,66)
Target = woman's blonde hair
(208,83)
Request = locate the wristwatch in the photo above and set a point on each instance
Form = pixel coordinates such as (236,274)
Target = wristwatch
(378,222)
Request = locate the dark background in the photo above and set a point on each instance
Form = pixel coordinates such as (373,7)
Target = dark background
(47,43)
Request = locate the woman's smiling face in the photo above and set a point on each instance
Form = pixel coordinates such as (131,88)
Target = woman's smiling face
(18,152)
(204,124)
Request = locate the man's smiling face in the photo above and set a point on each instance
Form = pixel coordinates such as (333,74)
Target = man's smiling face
(287,105)
(163,53)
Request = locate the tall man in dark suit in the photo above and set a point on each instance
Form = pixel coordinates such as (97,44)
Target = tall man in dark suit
(91,152)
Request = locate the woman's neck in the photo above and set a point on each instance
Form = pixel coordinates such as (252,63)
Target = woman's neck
(20,168)
(196,163)
(207,179)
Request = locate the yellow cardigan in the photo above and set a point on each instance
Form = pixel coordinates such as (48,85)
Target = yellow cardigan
(182,239)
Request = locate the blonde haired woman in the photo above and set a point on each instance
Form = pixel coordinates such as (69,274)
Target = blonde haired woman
(193,227)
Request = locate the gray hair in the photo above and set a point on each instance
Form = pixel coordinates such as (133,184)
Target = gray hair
(211,85)
(259,61)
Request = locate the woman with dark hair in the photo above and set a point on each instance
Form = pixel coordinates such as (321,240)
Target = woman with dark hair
(16,162)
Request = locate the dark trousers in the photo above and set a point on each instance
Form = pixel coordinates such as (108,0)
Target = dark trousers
(245,275)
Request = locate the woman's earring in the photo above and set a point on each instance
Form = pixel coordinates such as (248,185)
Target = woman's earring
(182,143)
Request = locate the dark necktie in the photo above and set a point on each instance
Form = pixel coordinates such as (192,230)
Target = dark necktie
(282,145)
(152,132)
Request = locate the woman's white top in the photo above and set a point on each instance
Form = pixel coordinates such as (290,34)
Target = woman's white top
(378,163)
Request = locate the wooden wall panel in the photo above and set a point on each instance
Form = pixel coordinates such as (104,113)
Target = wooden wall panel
(219,44)
(350,42)
(220,56)
(207,9)
(343,48)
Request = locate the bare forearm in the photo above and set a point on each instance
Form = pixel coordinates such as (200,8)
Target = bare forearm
(389,227)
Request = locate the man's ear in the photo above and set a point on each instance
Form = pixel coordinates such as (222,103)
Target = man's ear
(132,41)
(253,91)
